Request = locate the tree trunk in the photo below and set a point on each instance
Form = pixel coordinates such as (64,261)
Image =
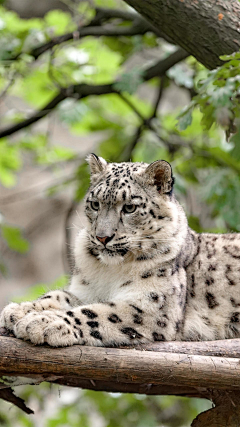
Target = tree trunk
(206,29)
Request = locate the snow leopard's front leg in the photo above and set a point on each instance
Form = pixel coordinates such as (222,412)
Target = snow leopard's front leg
(100,324)
(155,314)
(54,300)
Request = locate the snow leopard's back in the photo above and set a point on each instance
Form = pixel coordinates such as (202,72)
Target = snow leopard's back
(213,281)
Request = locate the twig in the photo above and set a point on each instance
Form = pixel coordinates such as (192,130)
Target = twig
(8,85)
(162,66)
(127,152)
(158,98)
(89,31)
(146,123)
(8,395)
(103,14)
(35,117)
(132,106)
(50,70)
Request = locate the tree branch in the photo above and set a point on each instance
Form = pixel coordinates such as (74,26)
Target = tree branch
(81,32)
(205,29)
(195,369)
(82,90)
(178,367)
(35,117)
(145,123)
(8,395)
(102,14)
(127,152)
(158,98)
(162,66)
(139,27)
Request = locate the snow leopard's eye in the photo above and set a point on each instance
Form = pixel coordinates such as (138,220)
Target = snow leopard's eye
(95,205)
(129,208)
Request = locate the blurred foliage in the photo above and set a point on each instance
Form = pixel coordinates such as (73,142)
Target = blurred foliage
(218,98)
(206,166)
(64,407)
(13,237)
(41,288)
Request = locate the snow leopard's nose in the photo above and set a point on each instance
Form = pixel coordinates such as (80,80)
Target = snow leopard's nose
(105,239)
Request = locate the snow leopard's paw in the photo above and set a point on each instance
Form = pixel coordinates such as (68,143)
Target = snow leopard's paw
(13,312)
(52,328)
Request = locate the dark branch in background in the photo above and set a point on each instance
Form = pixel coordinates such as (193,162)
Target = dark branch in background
(35,117)
(139,27)
(81,91)
(162,66)
(126,156)
(145,124)
(8,85)
(103,14)
(158,98)
(136,29)
(132,106)
(8,395)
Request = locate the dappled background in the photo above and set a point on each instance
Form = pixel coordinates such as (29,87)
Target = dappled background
(93,76)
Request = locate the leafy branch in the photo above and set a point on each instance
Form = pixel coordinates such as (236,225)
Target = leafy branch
(83,90)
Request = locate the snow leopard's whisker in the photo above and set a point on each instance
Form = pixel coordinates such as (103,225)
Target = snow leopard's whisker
(75,227)
(82,224)
(151,240)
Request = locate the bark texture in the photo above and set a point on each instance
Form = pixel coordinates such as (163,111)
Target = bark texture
(198,369)
(140,368)
(226,412)
(206,29)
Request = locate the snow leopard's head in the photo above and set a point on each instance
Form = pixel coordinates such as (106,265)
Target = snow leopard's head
(131,210)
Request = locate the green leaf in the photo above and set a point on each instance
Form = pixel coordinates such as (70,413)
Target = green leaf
(235,55)
(59,22)
(182,74)
(14,239)
(10,163)
(129,82)
(185,118)
(55,155)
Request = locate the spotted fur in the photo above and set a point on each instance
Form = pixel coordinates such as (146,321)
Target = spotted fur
(141,274)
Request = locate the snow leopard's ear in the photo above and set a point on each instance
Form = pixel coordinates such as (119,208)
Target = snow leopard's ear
(159,173)
(97,164)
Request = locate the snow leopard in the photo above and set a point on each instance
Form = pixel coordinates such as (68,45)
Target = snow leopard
(141,274)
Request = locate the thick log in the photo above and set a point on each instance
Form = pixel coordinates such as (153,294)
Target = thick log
(139,368)
(206,29)
(193,369)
